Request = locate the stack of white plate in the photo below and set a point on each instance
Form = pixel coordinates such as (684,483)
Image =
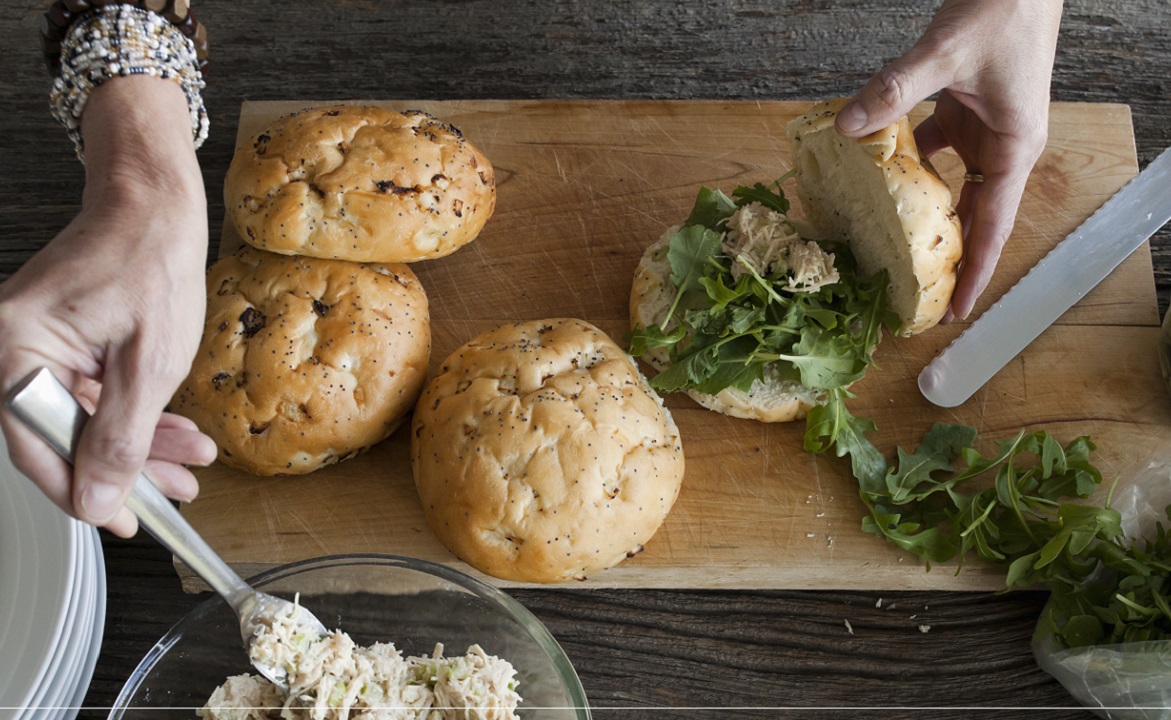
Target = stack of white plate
(52,602)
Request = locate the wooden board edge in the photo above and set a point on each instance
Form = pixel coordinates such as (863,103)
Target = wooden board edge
(974,577)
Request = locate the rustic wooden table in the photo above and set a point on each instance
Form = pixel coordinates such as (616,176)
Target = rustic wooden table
(677,653)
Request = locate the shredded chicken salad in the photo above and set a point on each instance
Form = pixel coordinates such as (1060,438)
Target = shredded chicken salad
(332,677)
(768,242)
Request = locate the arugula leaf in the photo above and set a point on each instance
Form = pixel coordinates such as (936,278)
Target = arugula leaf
(718,365)
(711,208)
(832,425)
(722,295)
(825,360)
(764,195)
(939,447)
(641,340)
(688,254)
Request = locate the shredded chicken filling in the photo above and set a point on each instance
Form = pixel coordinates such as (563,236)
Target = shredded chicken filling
(330,677)
(767,241)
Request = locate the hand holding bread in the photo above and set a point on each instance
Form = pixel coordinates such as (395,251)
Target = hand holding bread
(992,60)
(760,314)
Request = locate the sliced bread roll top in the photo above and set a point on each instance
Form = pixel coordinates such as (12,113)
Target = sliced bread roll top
(885,200)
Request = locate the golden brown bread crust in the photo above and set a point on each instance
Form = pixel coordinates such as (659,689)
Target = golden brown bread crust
(359,183)
(905,224)
(305,362)
(541,454)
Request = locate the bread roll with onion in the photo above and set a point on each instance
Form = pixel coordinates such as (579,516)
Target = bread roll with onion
(356,183)
(305,362)
(541,454)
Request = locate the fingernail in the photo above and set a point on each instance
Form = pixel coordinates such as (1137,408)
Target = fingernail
(187,497)
(852,117)
(100,501)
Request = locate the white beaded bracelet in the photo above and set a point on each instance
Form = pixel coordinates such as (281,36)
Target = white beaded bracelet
(117,41)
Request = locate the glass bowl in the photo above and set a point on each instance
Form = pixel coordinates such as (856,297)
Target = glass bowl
(374,598)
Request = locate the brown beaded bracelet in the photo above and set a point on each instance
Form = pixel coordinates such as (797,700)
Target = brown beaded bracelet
(56,21)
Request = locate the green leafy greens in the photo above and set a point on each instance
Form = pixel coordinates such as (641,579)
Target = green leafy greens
(1104,588)
(723,331)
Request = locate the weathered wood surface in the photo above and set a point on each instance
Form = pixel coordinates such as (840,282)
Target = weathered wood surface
(583,188)
(665,649)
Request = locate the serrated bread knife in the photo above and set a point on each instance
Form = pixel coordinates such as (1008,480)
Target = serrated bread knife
(1052,286)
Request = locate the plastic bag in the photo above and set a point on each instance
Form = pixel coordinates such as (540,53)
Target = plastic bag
(1121,682)
(1131,681)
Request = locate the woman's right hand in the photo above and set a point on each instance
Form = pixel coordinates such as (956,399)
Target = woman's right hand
(992,60)
(114,307)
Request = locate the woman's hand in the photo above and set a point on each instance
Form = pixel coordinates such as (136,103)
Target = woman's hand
(114,306)
(993,60)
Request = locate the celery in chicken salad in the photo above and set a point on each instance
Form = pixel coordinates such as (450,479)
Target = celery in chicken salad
(332,677)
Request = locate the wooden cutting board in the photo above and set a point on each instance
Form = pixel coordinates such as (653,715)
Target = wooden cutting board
(584,186)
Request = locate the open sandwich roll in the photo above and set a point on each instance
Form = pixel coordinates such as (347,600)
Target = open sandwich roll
(875,195)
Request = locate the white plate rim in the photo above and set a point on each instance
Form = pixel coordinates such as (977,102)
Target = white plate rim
(63,658)
(99,628)
(79,628)
(48,563)
(87,656)
(9,557)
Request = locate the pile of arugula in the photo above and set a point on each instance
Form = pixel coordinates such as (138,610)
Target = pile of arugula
(1104,588)
(722,333)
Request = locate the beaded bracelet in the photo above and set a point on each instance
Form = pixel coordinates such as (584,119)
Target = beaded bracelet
(55,24)
(121,40)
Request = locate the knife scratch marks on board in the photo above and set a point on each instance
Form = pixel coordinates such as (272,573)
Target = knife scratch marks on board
(1024,379)
(557,162)
(458,292)
(567,283)
(573,177)
(982,419)
(310,532)
(903,360)
(456,288)
(595,277)
(269,519)
(668,136)
(817,480)
(764,451)
(493,267)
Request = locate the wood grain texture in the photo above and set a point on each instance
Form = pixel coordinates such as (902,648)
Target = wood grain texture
(659,649)
(583,188)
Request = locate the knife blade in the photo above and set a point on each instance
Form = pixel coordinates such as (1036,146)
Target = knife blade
(1061,278)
